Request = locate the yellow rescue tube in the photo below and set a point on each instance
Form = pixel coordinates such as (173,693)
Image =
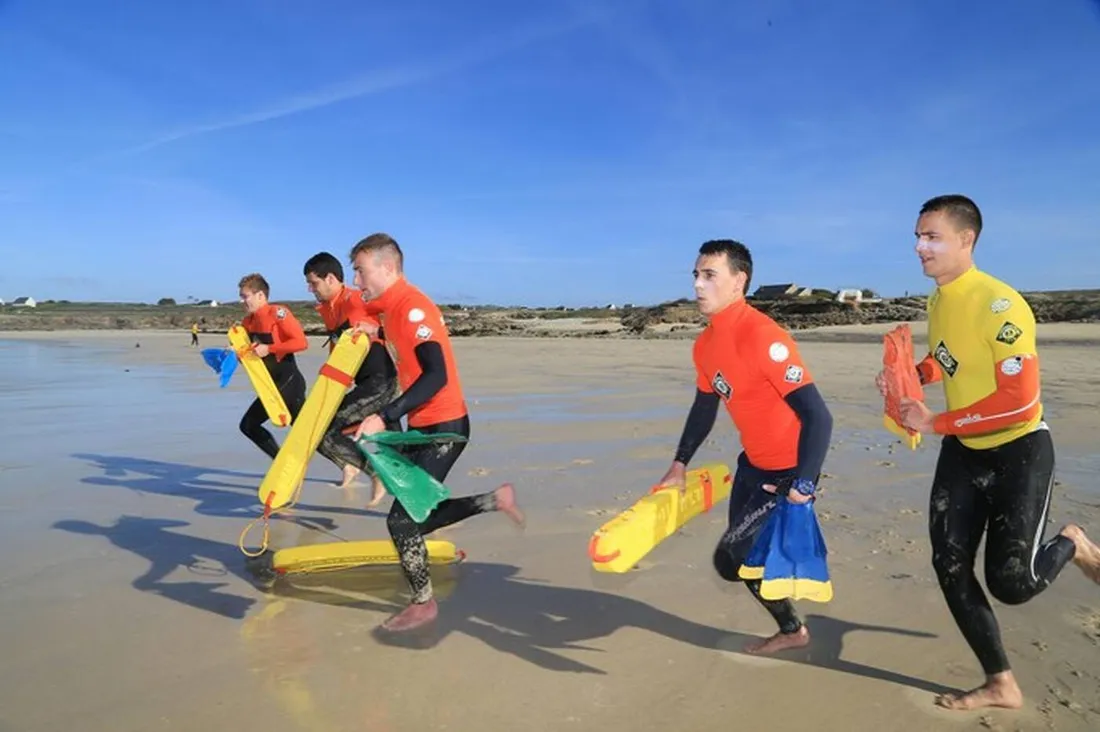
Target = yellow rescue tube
(288,470)
(331,556)
(260,377)
(620,543)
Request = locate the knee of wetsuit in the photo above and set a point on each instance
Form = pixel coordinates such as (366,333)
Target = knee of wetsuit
(1009,585)
(952,565)
(245,426)
(725,565)
(398,523)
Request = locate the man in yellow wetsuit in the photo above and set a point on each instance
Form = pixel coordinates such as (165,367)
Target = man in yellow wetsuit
(996,462)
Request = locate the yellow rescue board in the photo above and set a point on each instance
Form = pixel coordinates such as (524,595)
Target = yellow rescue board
(332,556)
(259,376)
(620,543)
(288,470)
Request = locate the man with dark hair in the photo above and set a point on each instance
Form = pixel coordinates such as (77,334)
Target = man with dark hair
(276,335)
(995,472)
(746,361)
(375,385)
(433,400)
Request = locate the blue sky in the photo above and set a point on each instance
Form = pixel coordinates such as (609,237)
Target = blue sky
(568,152)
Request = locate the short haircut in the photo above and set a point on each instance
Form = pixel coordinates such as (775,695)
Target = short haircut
(324,264)
(962,211)
(379,244)
(737,256)
(256,283)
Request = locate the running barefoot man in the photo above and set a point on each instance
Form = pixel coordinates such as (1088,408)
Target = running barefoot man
(375,385)
(433,401)
(996,461)
(748,362)
(276,335)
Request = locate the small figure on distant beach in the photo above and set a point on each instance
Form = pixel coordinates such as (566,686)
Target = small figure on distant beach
(194,335)
(995,472)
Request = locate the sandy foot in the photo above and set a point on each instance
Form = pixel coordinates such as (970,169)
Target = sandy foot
(1001,690)
(780,642)
(1087,556)
(506,502)
(412,617)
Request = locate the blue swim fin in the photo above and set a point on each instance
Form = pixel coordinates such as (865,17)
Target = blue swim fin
(223,361)
(796,567)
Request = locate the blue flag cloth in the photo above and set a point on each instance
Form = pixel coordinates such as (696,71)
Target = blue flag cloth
(789,556)
(223,361)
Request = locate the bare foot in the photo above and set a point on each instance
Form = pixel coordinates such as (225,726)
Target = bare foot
(1000,690)
(1087,556)
(780,642)
(378,494)
(414,616)
(506,501)
(350,474)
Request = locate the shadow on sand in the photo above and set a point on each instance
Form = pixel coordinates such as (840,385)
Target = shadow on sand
(525,618)
(535,621)
(166,551)
(217,492)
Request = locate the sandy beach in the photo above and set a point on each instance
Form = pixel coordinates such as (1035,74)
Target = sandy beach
(125,485)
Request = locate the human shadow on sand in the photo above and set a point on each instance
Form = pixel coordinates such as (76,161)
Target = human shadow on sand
(534,621)
(166,551)
(217,492)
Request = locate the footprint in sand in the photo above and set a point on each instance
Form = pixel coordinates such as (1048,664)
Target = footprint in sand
(478,472)
(599,512)
(582,461)
(885,464)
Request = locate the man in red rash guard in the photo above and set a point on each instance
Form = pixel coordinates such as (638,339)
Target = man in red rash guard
(748,362)
(433,400)
(996,462)
(375,385)
(276,336)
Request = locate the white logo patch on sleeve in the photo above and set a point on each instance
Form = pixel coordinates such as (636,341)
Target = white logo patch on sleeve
(280,313)
(1012,366)
(423,332)
(793,374)
(416,315)
(778,352)
(1000,305)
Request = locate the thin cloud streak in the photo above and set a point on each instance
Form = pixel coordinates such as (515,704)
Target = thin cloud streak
(368,84)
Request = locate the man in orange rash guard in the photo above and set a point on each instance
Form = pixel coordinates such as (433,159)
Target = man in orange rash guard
(276,336)
(995,472)
(433,401)
(748,362)
(375,384)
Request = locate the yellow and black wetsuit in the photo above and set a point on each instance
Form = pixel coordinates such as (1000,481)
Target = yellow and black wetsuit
(996,464)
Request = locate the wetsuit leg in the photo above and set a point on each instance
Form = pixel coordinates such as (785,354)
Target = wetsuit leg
(292,385)
(749,509)
(293,388)
(362,401)
(1007,488)
(407,535)
(957,516)
(1018,564)
(252,427)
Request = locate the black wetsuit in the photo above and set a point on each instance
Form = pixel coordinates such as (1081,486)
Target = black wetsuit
(291,384)
(1004,492)
(750,505)
(437,460)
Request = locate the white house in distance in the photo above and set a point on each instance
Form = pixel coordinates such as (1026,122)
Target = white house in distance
(207,303)
(24,302)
